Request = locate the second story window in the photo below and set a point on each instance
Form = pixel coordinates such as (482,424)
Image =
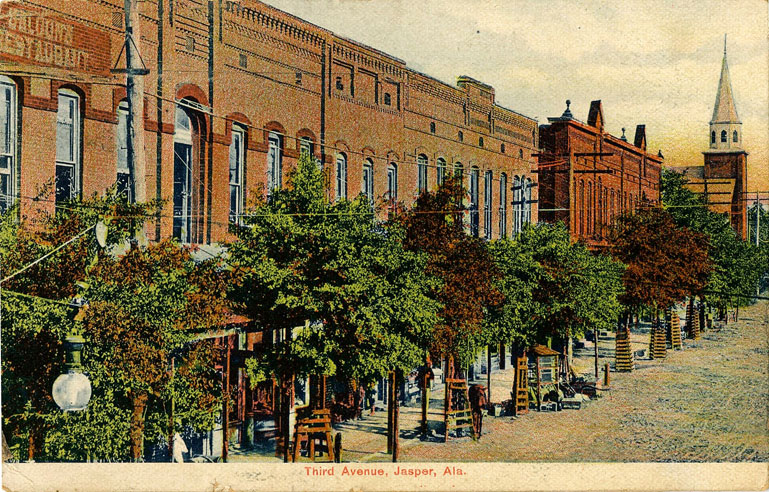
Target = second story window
(67,146)
(422,173)
(474,201)
(392,181)
(368,180)
(237,158)
(306,146)
(488,183)
(124,172)
(274,162)
(459,171)
(503,205)
(440,171)
(7,143)
(341,176)
(184,136)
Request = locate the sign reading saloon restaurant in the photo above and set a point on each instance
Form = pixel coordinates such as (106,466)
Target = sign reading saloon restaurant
(32,36)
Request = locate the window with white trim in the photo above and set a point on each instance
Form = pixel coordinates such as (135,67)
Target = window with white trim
(368,180)
(474,177)
(183,155)
(68,145)
(237,159)
(274,162)
(341,176)
(392,181)
(440,171)
(7,143)
(517,205)
(422,173)
(503,205)
(488,191)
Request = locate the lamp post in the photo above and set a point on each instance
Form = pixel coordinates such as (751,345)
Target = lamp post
(72,390)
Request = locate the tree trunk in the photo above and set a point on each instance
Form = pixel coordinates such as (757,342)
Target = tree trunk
(488,374)
(396,415)
(139,406)
(597,335)
(392,405)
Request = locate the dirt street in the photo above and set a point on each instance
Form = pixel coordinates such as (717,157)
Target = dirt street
(707,402)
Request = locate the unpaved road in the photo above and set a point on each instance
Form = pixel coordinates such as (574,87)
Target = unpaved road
(706,403)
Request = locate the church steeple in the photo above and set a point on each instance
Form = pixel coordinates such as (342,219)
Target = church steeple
(725,125)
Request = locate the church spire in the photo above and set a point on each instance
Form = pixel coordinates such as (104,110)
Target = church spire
(725,125)
(725,110)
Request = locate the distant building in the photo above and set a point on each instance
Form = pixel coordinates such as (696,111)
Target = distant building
(587,177)
(723,179)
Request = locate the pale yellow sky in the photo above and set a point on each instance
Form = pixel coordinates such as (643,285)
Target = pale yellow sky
(653,62)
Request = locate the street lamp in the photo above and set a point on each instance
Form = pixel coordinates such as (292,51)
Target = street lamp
(72,389)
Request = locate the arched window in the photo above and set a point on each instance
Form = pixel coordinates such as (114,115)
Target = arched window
(589,209)
(392,181)
(274,162)
(68,146)
(368,180)
(341,176)
(306,146)
(461,137)
(440,171)
(713,137)
(723,135)
(183,172)
(8,139)
(488,190)
(237,163)
(480,141)
(432,127)
(474,176)
(503,205)
(517,197)
(459,171)
(527,198)
(124,172)
(422,173)
(581,219)
(734,136)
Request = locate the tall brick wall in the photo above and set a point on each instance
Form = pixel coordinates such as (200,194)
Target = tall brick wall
(249,63)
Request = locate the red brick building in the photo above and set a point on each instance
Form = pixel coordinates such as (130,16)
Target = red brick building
(234,91)
(587,177)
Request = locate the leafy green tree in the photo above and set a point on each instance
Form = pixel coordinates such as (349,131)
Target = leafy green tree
(737,265)
(435,226)
(576,289)
(145,308)
(302,260)
(44,256)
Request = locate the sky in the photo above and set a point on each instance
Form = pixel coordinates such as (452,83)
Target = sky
(652,62)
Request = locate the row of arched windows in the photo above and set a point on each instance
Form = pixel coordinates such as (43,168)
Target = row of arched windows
(724,136)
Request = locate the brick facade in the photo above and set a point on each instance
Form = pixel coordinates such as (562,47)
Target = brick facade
(587,177)
(248,64)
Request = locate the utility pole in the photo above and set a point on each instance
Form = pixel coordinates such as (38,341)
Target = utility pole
(135,71)
(758,219)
